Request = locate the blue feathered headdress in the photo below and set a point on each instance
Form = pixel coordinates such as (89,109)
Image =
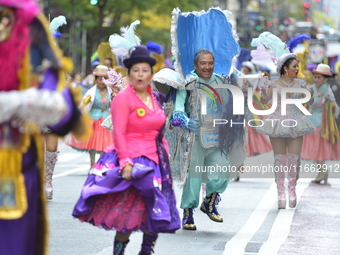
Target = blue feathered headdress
(297,40)
(154,47)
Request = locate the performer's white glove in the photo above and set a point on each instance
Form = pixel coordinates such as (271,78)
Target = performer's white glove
(43,107)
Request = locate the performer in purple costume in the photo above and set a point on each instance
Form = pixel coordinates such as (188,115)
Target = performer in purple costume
(130,187)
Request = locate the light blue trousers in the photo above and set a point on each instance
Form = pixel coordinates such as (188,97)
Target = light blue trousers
(206,165)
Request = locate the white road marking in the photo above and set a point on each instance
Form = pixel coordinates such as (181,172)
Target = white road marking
(237,244)
(334,184)
(64,157)
(105,251)
(78,169)
(71,165)
(281,227)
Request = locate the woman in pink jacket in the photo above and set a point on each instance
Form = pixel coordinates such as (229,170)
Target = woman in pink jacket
(130,187)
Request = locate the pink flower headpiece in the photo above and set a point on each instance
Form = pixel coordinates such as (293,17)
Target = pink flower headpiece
(114,79)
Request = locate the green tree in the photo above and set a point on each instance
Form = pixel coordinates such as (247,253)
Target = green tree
(321,17)
(108,16)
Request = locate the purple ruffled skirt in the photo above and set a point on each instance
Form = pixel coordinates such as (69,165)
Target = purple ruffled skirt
(146,202)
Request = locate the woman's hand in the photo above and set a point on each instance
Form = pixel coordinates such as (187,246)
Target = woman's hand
(126,172)
(114,92)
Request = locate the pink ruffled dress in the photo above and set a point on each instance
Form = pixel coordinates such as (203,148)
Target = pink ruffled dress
(257,143)
(101,137)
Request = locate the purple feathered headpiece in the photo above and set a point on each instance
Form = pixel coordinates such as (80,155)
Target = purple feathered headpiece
(297,40)
(154,47)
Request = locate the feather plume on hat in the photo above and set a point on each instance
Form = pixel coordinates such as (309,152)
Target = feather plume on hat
(56,23)
(272,45)
(260,56)
(269,46)
(120,44)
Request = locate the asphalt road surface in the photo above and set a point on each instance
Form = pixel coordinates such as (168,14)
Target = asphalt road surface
(252,223)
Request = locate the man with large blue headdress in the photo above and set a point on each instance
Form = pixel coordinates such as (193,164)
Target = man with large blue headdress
(204,46)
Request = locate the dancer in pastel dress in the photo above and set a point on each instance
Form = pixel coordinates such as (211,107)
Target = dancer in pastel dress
(97,103)
(324,143)
(286,131)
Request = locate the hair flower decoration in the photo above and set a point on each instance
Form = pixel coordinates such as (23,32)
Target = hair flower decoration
(141,112)
(114,79)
